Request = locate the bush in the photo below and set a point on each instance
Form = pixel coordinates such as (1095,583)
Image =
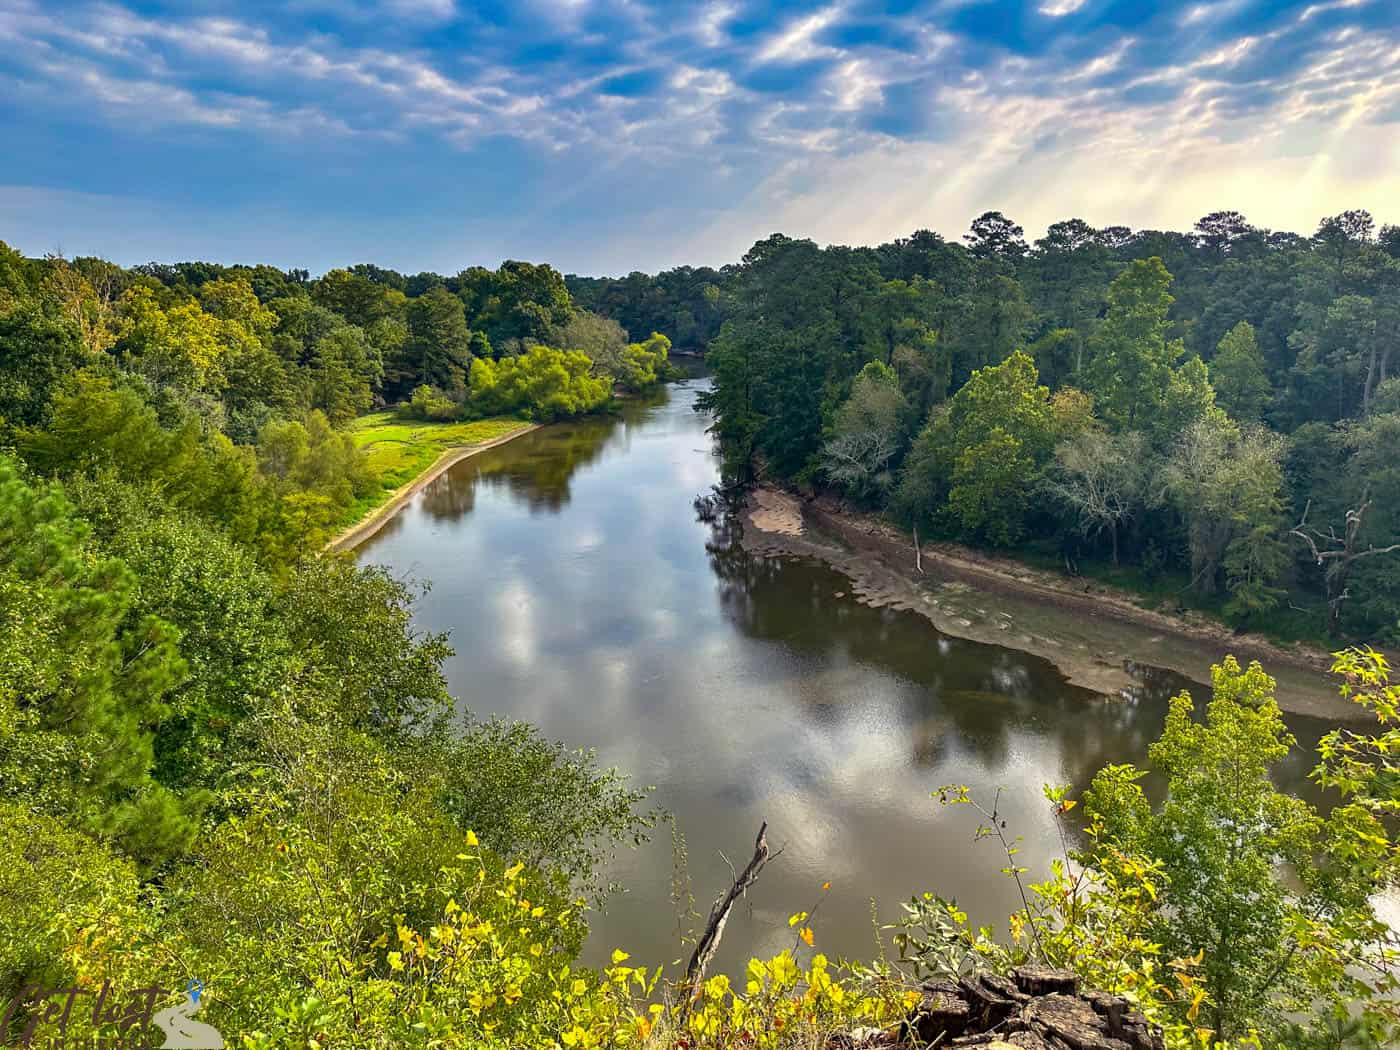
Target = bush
(431,405)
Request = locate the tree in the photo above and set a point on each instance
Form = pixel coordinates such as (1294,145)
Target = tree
(40,352)
(438,348)
(519,300)
(974,461)
(1338,552)
(865,437)
(601,338)
(83,681)
(1227,484)
(233,299)
(1130,359)
(1238,375)
(996,238)
(356,298)
(345,369)
(644,364)
(182,346)
(1101,479)
(991,323)
(1268,947)
(1218,231)
(542,383)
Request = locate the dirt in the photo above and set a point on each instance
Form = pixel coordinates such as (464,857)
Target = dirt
(1094,634)
(776,511)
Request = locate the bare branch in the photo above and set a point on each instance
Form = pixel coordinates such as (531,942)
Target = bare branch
(708,944)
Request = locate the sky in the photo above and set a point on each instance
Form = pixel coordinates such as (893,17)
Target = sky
(605,137)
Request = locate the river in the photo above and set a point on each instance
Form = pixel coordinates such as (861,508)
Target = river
(584,594)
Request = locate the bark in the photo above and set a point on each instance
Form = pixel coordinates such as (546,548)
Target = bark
(708,944)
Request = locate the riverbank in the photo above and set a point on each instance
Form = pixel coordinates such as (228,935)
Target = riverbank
(1098,637)
(371,522)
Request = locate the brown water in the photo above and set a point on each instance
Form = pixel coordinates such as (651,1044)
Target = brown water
(584,594)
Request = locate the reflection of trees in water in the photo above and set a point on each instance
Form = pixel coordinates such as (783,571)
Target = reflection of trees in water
(536,469)
(975,699)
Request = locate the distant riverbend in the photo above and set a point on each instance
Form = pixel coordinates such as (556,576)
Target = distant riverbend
(586,591)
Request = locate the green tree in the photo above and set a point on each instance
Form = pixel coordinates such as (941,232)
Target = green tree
(1130,358)
(345,369)
(1238,376)
(643,364)
(83,679)
(356,298)
(40,352)
(1268,947)
(973,462)
(519,300)
(541,383)
(438,348)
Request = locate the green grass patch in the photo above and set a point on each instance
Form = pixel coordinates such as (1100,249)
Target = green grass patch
(399,451)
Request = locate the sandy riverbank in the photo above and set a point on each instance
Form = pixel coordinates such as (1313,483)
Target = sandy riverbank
(1094,634)
(349,538)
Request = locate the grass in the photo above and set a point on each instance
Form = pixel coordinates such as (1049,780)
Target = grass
(399,451)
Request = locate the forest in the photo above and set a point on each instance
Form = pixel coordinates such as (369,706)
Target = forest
(1209,417)
(226,753)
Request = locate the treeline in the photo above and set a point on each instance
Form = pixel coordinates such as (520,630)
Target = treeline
(223,755)
(227,385)
(1217,410)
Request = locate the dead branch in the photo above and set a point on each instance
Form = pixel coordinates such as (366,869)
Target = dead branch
(708,944)
(918,554)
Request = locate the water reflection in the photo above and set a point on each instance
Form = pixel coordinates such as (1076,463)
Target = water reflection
(586,592)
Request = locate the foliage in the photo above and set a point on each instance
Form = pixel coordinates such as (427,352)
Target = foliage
(1227,484)
(540,384)
(1163,329)
(1102,479)
(1093,915)
(1238,375)
(1269,949)
(430,405)
(84,679)
(972,458)
(865,437)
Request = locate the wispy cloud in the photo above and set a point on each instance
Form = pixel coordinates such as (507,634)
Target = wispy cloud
(757,109)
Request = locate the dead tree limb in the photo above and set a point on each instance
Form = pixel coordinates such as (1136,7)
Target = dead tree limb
(708,944)
(1336,554)
(918,554)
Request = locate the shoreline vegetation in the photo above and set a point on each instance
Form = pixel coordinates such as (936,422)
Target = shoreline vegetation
(223,755)
(1091,631)
(370,431)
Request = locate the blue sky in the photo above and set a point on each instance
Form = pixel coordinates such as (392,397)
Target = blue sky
(638,134)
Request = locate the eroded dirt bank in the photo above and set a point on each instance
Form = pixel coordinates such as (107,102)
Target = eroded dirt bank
(1093,634)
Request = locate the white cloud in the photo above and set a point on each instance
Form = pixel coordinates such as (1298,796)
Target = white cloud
(1060,8)
(855,86)
(711,25)
(795,43)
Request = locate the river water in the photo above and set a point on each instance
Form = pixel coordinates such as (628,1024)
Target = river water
(584,594)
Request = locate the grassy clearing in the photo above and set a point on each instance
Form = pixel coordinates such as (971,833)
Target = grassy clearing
(399,451)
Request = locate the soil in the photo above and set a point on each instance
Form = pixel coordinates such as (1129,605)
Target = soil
(1096,635)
